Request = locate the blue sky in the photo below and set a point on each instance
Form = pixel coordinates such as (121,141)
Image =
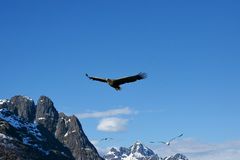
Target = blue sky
(190,51)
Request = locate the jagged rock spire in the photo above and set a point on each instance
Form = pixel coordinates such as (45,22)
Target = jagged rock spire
(46,113)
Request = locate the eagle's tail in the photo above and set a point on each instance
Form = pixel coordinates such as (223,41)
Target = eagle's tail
(118,88)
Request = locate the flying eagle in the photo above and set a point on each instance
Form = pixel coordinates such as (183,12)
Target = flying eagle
(115,83)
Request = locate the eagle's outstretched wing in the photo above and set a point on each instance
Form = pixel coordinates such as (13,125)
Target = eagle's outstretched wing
(130,79)
(97,79)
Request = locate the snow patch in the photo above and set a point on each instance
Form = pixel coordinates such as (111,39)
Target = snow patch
(66,134)
(3,136)
(26,140)
(28,98)
(18,123)
(130,157)
(73,131)
(12,120)
(87,149)
(3,101)
(67,121)
(32,128)
(69,132)
(41,118)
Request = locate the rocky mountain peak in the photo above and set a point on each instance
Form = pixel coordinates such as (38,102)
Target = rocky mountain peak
(139,148)
(46,113)
(4,103)
(69,132)
(42,131)
(114,150)
(45,101)
(136,152)
(22,106)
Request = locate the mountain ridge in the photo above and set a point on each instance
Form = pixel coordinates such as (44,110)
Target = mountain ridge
(39,129)
(138,151)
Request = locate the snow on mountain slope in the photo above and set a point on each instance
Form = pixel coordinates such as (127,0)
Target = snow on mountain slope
(136,152)
(39,129)
(177,156)
(30,131)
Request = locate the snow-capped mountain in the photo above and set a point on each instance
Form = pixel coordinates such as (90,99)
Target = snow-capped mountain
(177,156)
(40,132)
(136,152)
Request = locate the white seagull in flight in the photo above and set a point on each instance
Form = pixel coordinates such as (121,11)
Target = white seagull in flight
(168,142)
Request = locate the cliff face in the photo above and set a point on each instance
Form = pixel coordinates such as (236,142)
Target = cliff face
(46,114)
(70,133)
(29,131)
(23,107)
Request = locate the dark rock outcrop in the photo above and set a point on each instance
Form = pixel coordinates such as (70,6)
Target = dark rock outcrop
(46,113)
(124,150)
(70,133)
(19,137)
(22,106)
(41,131)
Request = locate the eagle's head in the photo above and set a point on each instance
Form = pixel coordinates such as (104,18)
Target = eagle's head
(110,81)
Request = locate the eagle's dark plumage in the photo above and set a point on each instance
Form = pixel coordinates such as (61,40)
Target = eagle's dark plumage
(115,83)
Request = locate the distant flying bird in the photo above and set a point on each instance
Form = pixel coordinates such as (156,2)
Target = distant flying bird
(168,142)
(105,139)
(115,83)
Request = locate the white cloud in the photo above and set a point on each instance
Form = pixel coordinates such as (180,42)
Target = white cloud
(112,124)
(107,113)
(195,150)
(110,119)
